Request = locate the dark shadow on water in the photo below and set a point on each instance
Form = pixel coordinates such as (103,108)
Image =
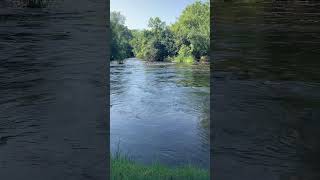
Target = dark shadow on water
(265,90)
(53,92)
(29,3)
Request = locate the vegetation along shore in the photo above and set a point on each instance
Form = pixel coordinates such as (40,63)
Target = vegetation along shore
(186,40)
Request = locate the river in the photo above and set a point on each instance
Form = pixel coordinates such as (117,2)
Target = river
(160,112)
(53,110)
(265,90)
(265,94)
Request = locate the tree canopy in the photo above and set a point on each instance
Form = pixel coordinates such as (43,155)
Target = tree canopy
(187,39)
(120,37)
(193,28)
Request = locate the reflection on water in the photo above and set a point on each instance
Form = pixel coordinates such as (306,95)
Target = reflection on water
(52,91)
(266,91)
(160,112)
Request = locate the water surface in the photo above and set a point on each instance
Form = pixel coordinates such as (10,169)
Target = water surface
(160,112)
(53,91)
(265,90)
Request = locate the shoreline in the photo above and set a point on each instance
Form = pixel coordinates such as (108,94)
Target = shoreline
(124,168)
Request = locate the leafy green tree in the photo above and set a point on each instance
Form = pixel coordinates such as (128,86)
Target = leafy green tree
(140,43)
(120,37)
(154,44)
(193,28)
(156,25)
(186,40)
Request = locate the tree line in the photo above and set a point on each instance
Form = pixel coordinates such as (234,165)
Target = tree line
(187,40)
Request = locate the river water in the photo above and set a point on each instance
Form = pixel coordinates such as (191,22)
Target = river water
(265,94)
(160,112)
(265,90)
(53,68)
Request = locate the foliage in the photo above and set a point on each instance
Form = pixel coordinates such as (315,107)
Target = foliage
(185,54)
(155,43)
(120,37)
(186,40)
(184,59)
(193,28)
(126,169)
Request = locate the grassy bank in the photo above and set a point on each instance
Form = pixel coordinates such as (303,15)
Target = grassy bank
(124,169)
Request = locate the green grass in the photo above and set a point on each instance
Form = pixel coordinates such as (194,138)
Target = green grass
(122,168)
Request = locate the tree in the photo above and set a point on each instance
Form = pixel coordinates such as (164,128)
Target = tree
(193,28)
(186,40)
(154,44)
(120,37)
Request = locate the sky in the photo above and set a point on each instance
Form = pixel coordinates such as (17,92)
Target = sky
(138,12)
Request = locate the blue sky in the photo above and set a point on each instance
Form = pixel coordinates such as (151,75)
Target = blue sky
(138,12)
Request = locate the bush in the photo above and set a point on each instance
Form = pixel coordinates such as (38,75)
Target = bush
(185,55)
(184,59)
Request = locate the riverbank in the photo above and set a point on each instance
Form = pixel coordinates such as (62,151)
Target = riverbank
(176,60)
(124,169)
